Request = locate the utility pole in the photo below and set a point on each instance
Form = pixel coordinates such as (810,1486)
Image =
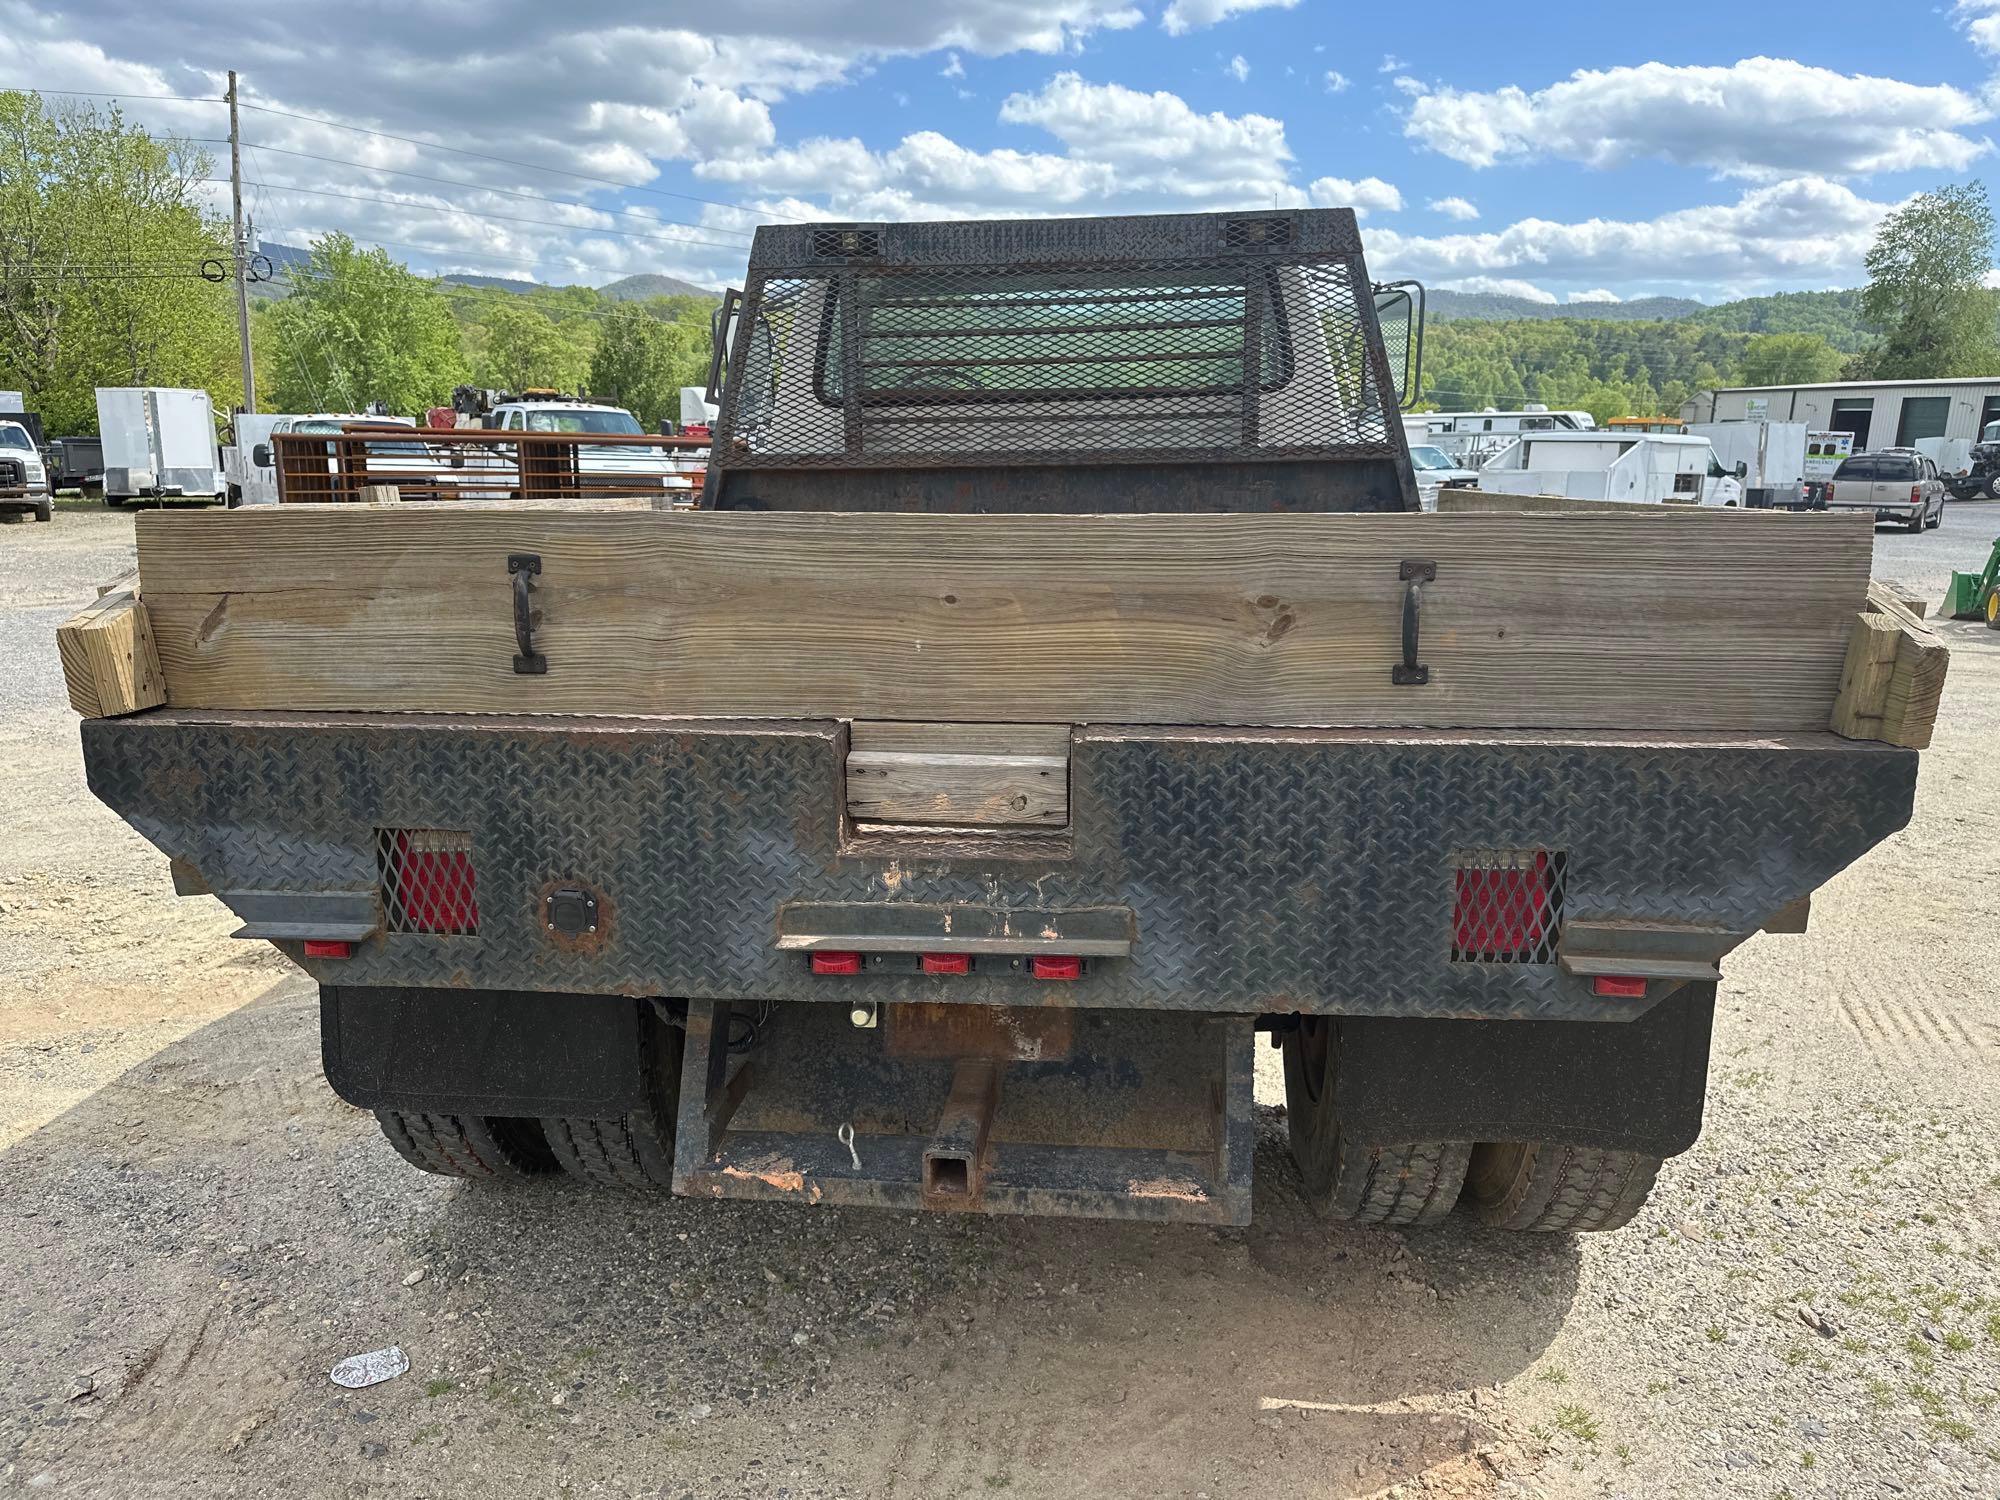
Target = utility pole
(241,257)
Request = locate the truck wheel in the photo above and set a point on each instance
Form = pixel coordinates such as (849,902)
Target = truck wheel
(1557,1189)
(1408,1184)
(114,502)
(635,1149)
(490,1146)
(1920,522)
(46,511)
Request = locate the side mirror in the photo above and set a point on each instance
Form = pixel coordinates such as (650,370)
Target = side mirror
(1399,314)
(1742,469)
(720,330)
(261,455)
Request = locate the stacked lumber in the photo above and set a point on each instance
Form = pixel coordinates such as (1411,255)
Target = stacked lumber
(1622,619)
(1893,675)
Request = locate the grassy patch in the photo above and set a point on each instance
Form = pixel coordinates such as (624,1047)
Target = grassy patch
(1552,1375)
(1578,1423)
(440,1387)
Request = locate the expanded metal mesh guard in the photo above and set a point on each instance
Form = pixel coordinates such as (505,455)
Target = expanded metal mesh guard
(427,881)
(1175,338)
(1506,906)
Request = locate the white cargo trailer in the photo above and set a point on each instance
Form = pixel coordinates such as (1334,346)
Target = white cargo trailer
(1772,456)
(159,443)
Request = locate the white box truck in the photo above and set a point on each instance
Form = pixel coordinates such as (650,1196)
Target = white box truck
(1772,456)
(159,444)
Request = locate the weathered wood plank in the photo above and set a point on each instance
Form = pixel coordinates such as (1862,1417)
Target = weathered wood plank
(1621,619)
(1864,677)
(982,774)
(1892,680)
(109,663)
(1454,501)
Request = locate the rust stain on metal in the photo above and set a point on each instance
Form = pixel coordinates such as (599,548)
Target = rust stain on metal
(1001,1033)
(1166,1187)
(779,1174)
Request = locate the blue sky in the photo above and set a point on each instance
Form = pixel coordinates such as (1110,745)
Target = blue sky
(1705,149)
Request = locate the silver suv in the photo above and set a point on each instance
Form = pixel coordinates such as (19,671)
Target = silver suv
(1897,484)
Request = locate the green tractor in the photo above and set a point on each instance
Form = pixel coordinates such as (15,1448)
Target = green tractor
(1976,596)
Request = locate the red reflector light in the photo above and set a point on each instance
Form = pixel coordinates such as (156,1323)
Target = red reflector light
(1618,987)
(947,963)
(329,948)
(836,963)
(1055,966)
(1503,912)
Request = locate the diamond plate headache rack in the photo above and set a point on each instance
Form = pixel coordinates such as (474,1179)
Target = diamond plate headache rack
(1169,338)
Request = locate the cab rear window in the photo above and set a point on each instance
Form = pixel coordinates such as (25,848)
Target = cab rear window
(1856,469)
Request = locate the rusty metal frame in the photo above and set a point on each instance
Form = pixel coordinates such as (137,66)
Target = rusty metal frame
(976,1133)
(314,468)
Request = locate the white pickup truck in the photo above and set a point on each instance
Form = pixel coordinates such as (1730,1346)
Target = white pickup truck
(649,466)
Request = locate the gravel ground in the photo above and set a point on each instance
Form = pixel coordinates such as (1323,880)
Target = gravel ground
(196,1230)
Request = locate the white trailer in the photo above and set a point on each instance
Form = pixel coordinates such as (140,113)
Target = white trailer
(1769,457)
(1663,468)
(159,443)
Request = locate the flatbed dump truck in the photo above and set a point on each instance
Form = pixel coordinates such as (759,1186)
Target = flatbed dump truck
(1057,692)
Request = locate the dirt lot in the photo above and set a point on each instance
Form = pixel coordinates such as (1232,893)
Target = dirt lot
(195,1230)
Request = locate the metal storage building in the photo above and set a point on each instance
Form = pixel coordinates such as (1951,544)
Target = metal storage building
(1882,414)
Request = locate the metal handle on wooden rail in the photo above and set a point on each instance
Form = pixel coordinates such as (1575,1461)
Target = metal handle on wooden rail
(1415,573)
(523,567)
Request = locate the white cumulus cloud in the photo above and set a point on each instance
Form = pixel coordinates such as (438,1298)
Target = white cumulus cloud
(1461,209)
(1337,82)
(1237,68)
(1762,117)
(1804,231)
(1183,16)
(1370,193)
(1596,294)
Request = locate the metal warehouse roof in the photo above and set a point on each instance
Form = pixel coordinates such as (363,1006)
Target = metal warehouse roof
(1857,385)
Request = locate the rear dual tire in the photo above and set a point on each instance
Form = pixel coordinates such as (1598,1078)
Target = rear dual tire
(494,1148)
(631,1150)
(1531,1186)
(1411,1184)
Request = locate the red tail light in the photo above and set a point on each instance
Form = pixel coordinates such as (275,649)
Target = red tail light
(1619,986)
(826,962)
(1502,911)
(427,880)
(947,963)
(329,948)
(1916,494)
(1829,494)
(1055,966)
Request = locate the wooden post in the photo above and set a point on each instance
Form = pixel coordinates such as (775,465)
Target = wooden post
(108,661)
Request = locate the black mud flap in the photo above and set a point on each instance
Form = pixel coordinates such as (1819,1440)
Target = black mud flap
(1633,1086)
(485,1052)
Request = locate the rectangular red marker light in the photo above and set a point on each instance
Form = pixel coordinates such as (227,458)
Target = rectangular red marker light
(329,948)
(828,962)
(1055,966)
(1618,987)
(947,963)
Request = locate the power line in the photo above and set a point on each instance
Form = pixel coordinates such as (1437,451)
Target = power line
(632,234)
(340,161)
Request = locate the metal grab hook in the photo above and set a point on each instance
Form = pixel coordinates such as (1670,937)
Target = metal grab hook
(1415,573)
(523,568)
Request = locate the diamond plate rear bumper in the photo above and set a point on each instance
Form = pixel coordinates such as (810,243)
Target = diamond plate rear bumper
(1270,871)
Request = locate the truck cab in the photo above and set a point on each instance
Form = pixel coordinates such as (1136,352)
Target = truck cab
(24,477)
(550,412)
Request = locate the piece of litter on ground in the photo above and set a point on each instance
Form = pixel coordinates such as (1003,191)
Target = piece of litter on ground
(358,1371)
(414,1277)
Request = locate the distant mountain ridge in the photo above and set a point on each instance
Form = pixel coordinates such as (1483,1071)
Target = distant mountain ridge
(637,288)
(1449,307)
